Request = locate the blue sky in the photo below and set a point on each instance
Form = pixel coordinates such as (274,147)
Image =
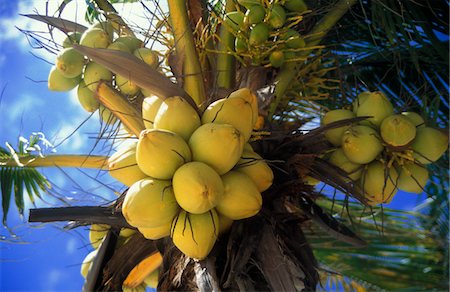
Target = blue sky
(44,258)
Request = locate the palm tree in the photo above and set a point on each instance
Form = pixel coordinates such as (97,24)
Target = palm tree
(301,236)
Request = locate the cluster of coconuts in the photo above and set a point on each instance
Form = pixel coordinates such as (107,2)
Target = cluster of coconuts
(263,30)
(133,282)
(386,151)
(72,69)
(190,176)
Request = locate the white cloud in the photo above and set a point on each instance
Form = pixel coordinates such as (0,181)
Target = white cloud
(23,104)
(71,246)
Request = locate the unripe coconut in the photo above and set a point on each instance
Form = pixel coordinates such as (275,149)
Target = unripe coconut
(150,107)
(277,16)
(86,98)
(293,39)
(157,232)
(126,86)
(87,263)
(249,3)
(241,198)
(150,203)
(276,59)
(218,145)
(360,98)
(256,168)
(361,144)
(195,234)
(225,223)
(375,104)
(106,115)
(95,38)
(429,145)
(379,183)
(148,56)
(334,136)
(255,14)
(123,166)
(249,97)
(131,42)
(413,178)
(339,159)
(259,34)
(236,112)
(118,46)
(177,115)
(93,73)
(197,187)
(295,5)
(159,153)
(234,20)
(70,63)
(107,27)
(96,234)
(415,118)
(72,38)
(58,82)
(397,130)
(240,44)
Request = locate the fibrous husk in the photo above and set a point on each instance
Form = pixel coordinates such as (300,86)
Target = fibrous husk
(334,136)
(123,166)
(361,144)
(429,145)
(412,177)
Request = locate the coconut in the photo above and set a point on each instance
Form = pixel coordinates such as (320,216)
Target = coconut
(249,97)
(148,56)
(235,111)
(240,44)
(413,178)
(259,34)
(360,99)
(197,187)
(118,46)
(277,16)
(123,166)
(96,234)
(397,130)
(249,3)
(106,115)
(379,183)
(334,136)
(376,105)
(72,38)
(295,5)
(126,232)
(131,42)
(361,144)
(218,145)
(93,73)
(293,39)
(339,159)
(415,118)
(157,232)
(225,223)
(70,63)
(309,180)
(255,14)
(87,263)
(150,203)
(195,234)
(429,145)
(177,115)
(276,59)
(241,198)
(86,98)
(150,107)
(126,86)
(95,38)
(159,153)
(107,27)
(57,81)
(256,168)
(234,20)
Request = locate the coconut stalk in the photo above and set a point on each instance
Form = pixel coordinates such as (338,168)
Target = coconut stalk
(226,61)
(186,52)
(81,161)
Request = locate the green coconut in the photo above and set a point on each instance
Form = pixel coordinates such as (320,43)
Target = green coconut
(197,187)
(276,59)
(177,115)
(379,183)
(70,63)
(126,86)
(87,98)
(218,145)
(249,3)
(259,34)
(234,20)
(241,198)
(415,118)
(413,177)
(159,153)
(158,232)
(106,115)
(58,82)
(131,42)
(93,73)
(118,46)
(376,105)
(277,16)
(397,130)
(123,167)
(71,38)
(360,98)
(150,107)
(150,57)
(254,166)
(361,144)
(429,145)
(293,39)
(240,44)
(295,5)
(339,159)
(195,234)
(255,14)
(334,136)
(107,27)
(150,203)
(87,263)
(95,38)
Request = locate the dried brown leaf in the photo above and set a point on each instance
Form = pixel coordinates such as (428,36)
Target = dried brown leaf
(61,24)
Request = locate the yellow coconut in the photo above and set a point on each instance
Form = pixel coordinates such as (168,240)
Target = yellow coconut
(150,107)
(126,86)
(95,38)
(87,98)
(379,183)
(397,130)
(413,178)
(123,166)
(361,144)
(225,223)
(415,118)
(195,234)
(250,98)
(127,232)
(235,111)
(241,198)
(429,145)
(87,262)
(107,27)
(96,234)
(150,203)
(57,82)
(70,63)
(131,42)
(197,187)
(72,38)
(148,56)
(376,105)
(218,145)
(157,232)
(159,153)
(339,159)
(256,168)
(93,73)
(334,136)
(177,115)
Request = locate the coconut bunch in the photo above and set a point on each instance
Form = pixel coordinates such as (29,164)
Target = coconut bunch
(191,176)
(72,69)
(263,30)
(385,152)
